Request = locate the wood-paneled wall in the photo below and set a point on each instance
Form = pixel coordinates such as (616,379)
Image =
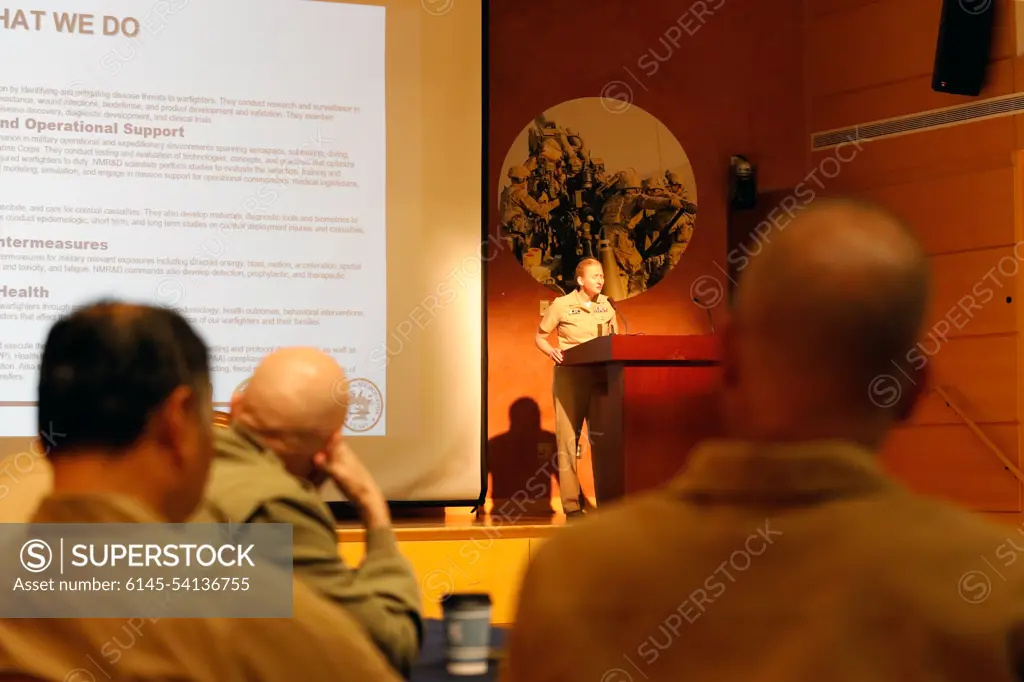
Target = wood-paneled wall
(960,187)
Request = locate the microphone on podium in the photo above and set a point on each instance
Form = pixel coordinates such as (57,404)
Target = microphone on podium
(707,309)
(625,325)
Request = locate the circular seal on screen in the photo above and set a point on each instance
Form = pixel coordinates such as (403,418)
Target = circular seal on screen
(592,178)
(365,406)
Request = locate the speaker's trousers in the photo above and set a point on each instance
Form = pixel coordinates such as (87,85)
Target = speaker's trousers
(574,387)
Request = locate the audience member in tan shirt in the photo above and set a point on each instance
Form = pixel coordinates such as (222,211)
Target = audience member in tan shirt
(125,394)
(787,554)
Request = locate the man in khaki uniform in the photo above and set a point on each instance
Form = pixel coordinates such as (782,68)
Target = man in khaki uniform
(283,442)
(787,554)
(125,407)
(577,318)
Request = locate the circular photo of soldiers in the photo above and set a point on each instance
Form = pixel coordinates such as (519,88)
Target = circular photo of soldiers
(583,182)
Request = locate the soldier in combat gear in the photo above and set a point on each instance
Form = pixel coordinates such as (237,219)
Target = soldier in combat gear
(619,217)
(601,176)
(674,184)
(652,227)
(660,265)
(523,217)
(682,229)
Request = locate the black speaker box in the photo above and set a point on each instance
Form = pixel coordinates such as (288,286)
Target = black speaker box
(964,46)
(742,184)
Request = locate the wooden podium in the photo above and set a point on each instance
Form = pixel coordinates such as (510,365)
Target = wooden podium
(652,406)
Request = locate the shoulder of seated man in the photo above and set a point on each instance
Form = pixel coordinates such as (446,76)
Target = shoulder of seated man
(250,490)
(307,503)
(254,478)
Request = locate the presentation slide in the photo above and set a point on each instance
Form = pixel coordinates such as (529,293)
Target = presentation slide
(267,168)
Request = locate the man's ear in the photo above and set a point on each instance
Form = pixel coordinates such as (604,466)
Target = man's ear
(171,422)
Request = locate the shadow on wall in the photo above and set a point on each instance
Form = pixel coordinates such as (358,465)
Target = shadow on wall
(522,464)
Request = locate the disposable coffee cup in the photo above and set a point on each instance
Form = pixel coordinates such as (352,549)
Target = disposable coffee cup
(467,631)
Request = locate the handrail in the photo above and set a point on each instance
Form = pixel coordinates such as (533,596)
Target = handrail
(980,434)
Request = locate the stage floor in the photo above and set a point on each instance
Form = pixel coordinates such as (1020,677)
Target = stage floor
(460,523)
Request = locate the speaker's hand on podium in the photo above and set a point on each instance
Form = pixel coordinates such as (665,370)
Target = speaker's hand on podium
(556,356)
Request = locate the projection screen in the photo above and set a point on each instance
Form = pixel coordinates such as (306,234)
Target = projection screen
(284,173)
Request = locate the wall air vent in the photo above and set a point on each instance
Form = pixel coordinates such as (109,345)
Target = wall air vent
(1007,105)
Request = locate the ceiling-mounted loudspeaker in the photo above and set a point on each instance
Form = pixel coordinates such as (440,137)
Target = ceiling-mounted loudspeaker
(964,46)
(742,184)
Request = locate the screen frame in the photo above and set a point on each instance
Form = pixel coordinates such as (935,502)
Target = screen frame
(345,510)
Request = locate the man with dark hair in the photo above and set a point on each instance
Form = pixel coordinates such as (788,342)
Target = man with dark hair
(125,401)
(124,392)
(786,552)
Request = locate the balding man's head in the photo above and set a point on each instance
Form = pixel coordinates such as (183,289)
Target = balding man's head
(296,401)
(827,306)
